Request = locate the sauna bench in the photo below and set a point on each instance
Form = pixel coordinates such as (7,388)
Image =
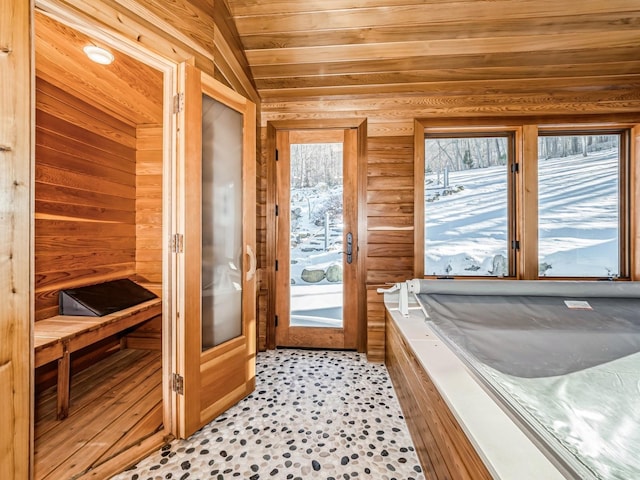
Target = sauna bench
(56,338)
(458,429)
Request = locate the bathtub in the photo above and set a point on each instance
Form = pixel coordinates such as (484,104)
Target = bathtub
(543,377)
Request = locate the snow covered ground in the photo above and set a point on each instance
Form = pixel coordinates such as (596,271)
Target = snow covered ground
(315,247)
(578,219)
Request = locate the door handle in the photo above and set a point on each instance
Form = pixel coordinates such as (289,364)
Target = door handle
(252,263)
(349,247)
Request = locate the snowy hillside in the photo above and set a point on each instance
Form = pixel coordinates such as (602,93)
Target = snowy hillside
(578,211)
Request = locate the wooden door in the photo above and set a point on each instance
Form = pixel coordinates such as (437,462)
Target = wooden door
(314,330)
(16,186)
(215,341)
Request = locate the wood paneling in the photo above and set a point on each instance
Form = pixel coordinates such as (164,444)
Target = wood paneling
(125,89)
(389,227)
(16,163)
(443,448)
(229,53)
(375,325)
(149,203)
(85,216)
(323,16)
(98,205)
(366,48)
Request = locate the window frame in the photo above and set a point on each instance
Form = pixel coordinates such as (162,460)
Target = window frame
(624,190)
(512,228)
(524,196)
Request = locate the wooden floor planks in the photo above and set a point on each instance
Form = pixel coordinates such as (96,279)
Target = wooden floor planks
(114,404)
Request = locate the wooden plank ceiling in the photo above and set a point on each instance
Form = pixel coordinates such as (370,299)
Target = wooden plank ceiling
(127,89)
(311,49)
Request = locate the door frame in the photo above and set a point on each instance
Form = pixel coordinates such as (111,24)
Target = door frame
(288,335)
(361,222)
(17,138)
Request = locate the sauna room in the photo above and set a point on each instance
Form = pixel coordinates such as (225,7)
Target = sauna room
(97,219)
(374,239)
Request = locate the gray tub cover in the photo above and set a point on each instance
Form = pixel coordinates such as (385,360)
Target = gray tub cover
(570,375)
(537,334)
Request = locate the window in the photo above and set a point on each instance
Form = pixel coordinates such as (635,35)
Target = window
(524,201)
(467,196)
(579,205)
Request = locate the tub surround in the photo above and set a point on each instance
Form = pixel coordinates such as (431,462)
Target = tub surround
(505,450)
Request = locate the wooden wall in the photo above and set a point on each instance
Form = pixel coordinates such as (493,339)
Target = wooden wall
(15,233)
(389,227)
(390,191)
(178,35)
(149,233)
(85,196)
(149,205)
(262,284)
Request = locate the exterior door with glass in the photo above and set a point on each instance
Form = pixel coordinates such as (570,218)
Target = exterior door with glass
(215,336)
(317,238)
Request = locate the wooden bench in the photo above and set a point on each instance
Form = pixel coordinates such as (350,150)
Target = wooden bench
(56,338)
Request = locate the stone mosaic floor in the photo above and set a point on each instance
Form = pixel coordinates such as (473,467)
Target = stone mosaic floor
(313,415)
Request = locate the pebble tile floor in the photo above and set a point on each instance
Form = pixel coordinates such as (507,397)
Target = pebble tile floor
(314,415)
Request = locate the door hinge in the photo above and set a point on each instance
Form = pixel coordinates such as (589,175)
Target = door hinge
(177,383)
(277,211)
(515,167)
(276,320)
(178,103)
(515,244)
(177,243)
(276,265)
(276,154)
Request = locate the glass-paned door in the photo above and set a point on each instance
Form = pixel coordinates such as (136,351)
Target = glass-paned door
(316,299)
(214,365)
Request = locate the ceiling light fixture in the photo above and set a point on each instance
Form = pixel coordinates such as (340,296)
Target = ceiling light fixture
(99,55)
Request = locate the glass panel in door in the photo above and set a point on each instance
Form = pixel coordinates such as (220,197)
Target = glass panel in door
(316,235)
(221,223)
